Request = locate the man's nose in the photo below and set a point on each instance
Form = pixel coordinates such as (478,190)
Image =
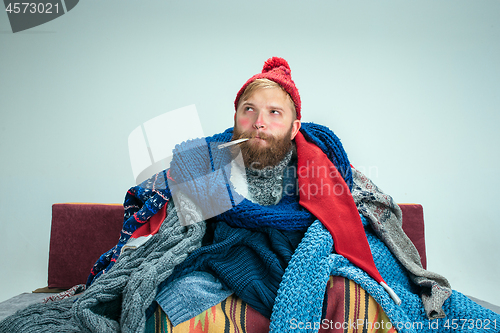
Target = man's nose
(260,122)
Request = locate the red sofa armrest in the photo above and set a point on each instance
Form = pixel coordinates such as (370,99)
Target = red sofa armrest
(80,233)
(413,226)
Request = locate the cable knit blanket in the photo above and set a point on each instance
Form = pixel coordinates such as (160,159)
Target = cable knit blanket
(118,299)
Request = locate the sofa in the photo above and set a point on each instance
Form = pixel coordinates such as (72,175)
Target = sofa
(81,232)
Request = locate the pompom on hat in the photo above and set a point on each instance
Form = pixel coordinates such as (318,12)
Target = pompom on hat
(277,70)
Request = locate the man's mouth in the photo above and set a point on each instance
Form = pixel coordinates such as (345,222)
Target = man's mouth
(231,143)
(257,135)
(260,136)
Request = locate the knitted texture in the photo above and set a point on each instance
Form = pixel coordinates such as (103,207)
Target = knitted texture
(331,145)
(118,300)
(42,318)
(300,296)
(190,295)
(302,288)
(65,294)
(141,203)
(265,254)
(198,169)
(249,262)
(328,197)
(386,219)
(301,292)
(266,185)
(276,69)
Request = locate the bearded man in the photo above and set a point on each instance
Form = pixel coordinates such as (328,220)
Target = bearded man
(216,245)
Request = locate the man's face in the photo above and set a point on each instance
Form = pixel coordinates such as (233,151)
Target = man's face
(266,117)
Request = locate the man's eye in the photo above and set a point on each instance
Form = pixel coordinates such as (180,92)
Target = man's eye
(248,108)
(275,112)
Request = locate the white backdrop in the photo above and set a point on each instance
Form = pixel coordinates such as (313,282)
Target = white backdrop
(411,88)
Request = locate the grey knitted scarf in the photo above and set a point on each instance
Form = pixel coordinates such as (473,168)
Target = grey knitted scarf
(386,218)
(266,185)
(118,300)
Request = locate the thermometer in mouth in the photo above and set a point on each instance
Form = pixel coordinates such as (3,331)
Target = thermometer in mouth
(228,144)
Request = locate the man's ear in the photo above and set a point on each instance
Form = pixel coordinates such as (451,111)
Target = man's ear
(295,128)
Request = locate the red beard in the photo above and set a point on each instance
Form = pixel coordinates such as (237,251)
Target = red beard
(258,157)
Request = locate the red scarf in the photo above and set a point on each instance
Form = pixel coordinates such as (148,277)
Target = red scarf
(326,195)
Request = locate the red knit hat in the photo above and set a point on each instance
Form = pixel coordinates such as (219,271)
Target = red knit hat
(277,70)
